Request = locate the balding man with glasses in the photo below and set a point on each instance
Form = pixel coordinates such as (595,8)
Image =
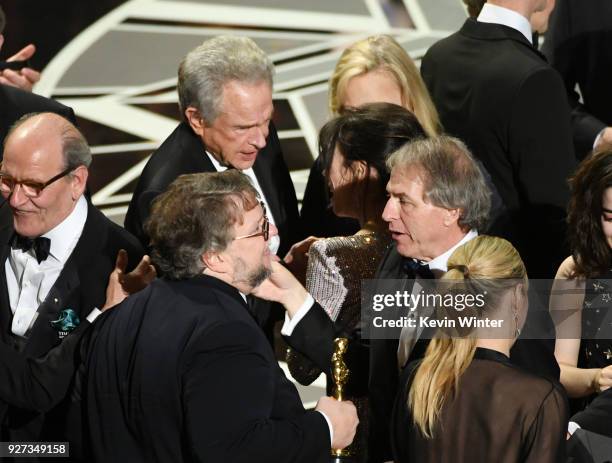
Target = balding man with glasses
(57,252)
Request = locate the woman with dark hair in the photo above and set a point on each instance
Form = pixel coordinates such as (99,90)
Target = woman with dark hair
(465,401)
(353,150)
(583,284)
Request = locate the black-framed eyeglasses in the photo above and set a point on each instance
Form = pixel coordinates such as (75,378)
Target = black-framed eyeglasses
(30,188)
(265,227)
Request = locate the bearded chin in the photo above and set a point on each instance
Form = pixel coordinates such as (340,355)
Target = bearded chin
(258,276)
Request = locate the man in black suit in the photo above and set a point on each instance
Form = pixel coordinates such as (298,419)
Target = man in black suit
(180,371)
(597,416)
(57,251)
(496,92)
(225,97)
(438,199)
(579,45)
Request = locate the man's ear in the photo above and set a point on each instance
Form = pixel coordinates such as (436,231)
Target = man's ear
(78,181)
(216,262)
(195,120)
(452,216)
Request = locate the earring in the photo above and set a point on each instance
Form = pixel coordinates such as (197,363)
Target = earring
(517,330)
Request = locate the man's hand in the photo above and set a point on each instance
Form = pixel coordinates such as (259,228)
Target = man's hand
(343,417)
(281,286)
(24,78)
(297,258)
(121,284)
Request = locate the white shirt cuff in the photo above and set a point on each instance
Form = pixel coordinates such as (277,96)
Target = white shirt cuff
(331,429)
(572,427)
(291,323)
(93,315)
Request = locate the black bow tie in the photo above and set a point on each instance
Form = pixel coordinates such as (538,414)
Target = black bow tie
(41,245)
(413,267)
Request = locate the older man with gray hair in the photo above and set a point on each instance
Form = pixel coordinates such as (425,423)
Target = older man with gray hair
(438,200)
(225,98)
(57,251)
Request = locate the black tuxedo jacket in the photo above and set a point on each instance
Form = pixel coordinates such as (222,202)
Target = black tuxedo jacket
(80,286)
(496,92)
(375,362)
(183,153)
(181,372)
(15,103)
(579,45)
(598,415)
(38,383)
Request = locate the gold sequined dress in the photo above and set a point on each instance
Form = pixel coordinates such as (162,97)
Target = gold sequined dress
(336,267)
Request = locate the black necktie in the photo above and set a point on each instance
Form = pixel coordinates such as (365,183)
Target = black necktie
(41,245)
(413,267)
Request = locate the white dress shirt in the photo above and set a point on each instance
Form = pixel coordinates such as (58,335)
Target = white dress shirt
(440,263)
(274,241)
(499,15)
(438,267)
(29,282)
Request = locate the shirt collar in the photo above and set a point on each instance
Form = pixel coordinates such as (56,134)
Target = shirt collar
(64,235)
(216,164)
(506,17)
(221,168)
(439,263)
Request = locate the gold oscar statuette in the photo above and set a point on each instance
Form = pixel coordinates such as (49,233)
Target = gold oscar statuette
(340,373)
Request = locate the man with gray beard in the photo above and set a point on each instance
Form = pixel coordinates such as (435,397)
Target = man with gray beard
(182,372)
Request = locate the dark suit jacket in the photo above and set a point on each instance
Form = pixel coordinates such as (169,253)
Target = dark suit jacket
(15,103)
(38,383)
(598,415)
(579,45)
(181,372)
(376,361)
(80,286)
(183,153)
(496,92)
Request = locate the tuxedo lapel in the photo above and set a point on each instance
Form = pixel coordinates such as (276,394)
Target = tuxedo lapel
(70,290)
(42,337)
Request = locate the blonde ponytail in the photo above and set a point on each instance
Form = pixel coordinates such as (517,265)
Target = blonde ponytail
(482,261)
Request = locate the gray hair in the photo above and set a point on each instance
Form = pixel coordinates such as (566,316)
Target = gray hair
(196,215)
(207,68)
(75,149)
(452,177)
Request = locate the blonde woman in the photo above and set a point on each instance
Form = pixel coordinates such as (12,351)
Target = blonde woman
(464,401)
(373,70)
